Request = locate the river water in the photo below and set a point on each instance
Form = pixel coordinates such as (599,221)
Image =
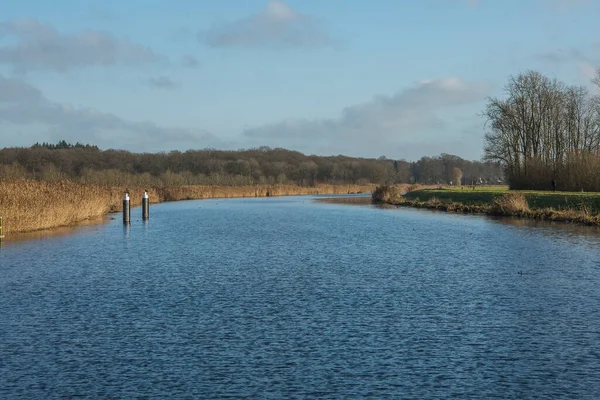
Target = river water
(292,298)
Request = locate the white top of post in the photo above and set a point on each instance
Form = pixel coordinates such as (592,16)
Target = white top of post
(145,195)
(126,196)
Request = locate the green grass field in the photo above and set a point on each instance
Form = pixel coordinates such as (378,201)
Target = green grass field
(484,195)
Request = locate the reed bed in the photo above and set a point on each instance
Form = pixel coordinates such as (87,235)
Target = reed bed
(176,193)
(31,205)
(394,194)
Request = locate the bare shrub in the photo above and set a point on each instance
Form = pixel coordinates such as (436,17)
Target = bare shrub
(456,176)
(388,194)
(434,202)
(510,204)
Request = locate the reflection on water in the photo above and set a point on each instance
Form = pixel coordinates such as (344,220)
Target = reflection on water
(561,232)
(83,226)
(558,229)
(344,199)
(554,225)
(295,298)
(126,230)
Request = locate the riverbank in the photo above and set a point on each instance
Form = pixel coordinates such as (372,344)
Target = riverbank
(31,205)
(576,207)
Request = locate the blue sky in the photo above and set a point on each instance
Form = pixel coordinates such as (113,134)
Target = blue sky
(402,79)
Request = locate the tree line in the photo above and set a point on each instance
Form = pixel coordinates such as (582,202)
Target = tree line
(264,165)
(544,130)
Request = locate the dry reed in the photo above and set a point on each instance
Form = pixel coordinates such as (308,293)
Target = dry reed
(175,193)
(513,203)
(30,205)
(393,194)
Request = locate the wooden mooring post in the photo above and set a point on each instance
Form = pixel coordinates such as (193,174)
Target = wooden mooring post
(1,234)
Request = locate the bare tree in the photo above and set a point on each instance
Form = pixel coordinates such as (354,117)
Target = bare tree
(457,176)
(544,130)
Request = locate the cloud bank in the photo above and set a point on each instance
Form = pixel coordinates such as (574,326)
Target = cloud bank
(278,26)
(33,45)
(394,123)
(23,105)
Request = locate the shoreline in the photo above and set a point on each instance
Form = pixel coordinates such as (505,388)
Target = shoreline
(564,207)
(30,207)
(549,215)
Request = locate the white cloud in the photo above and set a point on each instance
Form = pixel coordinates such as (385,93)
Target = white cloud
(24,106)
(278,25)
(33,45)
(384,124)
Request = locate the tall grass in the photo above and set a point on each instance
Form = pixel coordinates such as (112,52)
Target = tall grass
(28,205)
(175,193)
(31,205)
(393,194)
(512,203)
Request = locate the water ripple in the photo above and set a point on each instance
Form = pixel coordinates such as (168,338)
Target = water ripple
(285,298)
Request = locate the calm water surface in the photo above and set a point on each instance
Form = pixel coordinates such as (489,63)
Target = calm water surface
(291,298)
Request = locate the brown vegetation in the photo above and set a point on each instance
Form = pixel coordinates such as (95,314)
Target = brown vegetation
(354,200)
(175,193)
(512,203)
(580,216)
(498,203)
(393,194)
(388,194)
(30,205)
(456,176)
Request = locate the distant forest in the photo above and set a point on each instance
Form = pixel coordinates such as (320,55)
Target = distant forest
(88,164)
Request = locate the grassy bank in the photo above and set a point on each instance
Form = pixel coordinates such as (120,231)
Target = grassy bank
(577,207)
(30,205)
